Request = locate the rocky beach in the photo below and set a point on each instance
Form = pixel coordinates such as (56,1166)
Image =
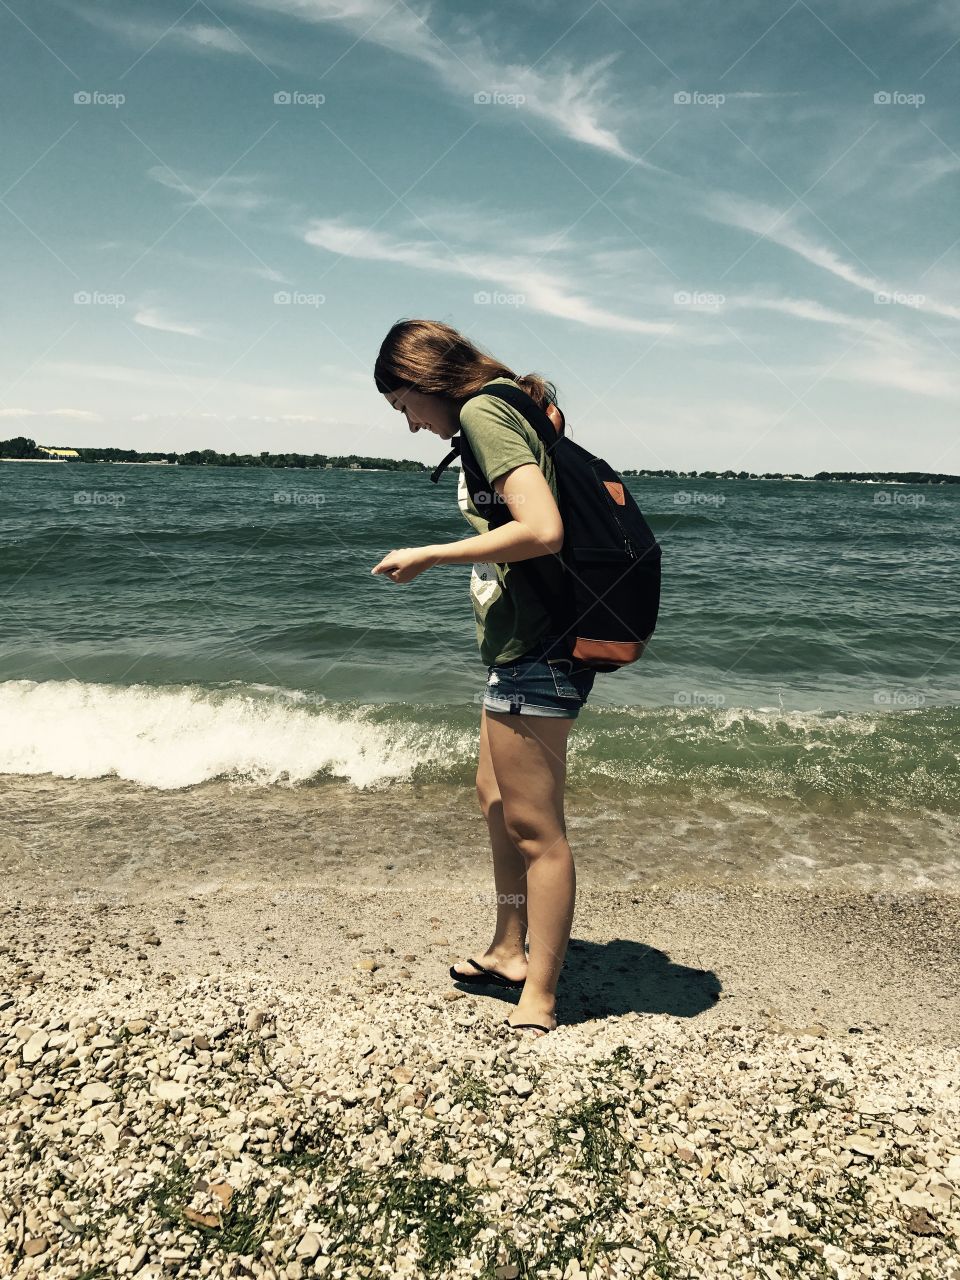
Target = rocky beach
(252,1082)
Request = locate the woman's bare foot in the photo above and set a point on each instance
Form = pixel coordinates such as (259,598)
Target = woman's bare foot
(509,964)
(536,1010)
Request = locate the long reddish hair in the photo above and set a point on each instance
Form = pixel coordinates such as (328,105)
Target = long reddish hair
(437,360)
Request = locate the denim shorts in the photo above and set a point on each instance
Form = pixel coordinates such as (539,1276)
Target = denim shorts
(539,683)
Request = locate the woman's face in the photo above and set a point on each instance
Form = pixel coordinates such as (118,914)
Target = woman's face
(426,413)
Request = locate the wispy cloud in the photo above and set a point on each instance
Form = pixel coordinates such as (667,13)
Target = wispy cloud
(81,415)
(197,262)
(779,228)
(152,318)
(544,291)
(750,93)
(800,309)
(577,101)
(236,192)
(144,33)
(902,369)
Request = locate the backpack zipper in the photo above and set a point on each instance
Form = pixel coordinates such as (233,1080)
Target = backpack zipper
(613,515)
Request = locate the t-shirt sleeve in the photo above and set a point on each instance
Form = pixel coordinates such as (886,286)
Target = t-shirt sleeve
(497,434)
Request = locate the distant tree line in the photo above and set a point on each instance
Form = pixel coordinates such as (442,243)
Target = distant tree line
(21,447)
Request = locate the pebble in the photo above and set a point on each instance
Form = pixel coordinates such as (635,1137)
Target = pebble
(33,1048)
(169,1090)
(309,1245)
(95,1093)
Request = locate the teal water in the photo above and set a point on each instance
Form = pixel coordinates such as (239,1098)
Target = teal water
(173,626)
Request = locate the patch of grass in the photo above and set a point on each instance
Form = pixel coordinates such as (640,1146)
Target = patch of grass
(245,1047)
(168,1195)
(470,1088)
(244,1224)
(806,1101)
(314,1149)
(368,1216)
(662,1264)
(443,1214)
(622,1059)
(604,1149)
(807,1263)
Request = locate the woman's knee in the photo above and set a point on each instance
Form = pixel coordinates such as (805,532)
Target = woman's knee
(532,834)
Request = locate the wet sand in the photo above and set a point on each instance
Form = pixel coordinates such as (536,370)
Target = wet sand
(63,835)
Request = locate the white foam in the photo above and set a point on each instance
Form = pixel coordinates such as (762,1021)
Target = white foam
(179,736)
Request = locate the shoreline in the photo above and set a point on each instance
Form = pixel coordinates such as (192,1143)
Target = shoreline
(64,835)
(743,1083)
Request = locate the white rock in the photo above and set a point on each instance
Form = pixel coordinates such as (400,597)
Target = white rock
(96,1092)
(34,1048)
(309,1246)
(169,1090)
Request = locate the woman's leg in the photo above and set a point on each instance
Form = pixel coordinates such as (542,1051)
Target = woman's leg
(529,755)
(506,953)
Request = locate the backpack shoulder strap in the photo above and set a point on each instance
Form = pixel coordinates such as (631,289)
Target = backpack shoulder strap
(528,409)
(546,427)
(445,462)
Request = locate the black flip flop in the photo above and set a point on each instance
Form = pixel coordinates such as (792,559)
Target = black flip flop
(484,977)
(522,1026)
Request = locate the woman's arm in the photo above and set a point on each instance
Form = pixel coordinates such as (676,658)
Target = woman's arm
(535,530)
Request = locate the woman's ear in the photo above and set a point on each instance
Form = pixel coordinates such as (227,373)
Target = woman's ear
(556,417)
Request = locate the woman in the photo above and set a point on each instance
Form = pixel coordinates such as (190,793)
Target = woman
(534,691)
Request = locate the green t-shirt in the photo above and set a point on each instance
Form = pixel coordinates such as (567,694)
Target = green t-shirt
(510,615)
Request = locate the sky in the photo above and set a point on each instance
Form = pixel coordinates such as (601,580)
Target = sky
(727,233)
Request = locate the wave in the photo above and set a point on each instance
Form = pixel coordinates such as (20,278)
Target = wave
(177,736)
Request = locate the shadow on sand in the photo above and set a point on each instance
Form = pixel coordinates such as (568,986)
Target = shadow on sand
(600,980)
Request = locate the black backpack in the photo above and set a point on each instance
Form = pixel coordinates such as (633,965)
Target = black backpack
(610,558)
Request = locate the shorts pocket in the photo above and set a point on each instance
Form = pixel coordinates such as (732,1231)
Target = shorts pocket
(563,684)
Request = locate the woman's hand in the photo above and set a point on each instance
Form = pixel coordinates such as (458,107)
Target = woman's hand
(404,565)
